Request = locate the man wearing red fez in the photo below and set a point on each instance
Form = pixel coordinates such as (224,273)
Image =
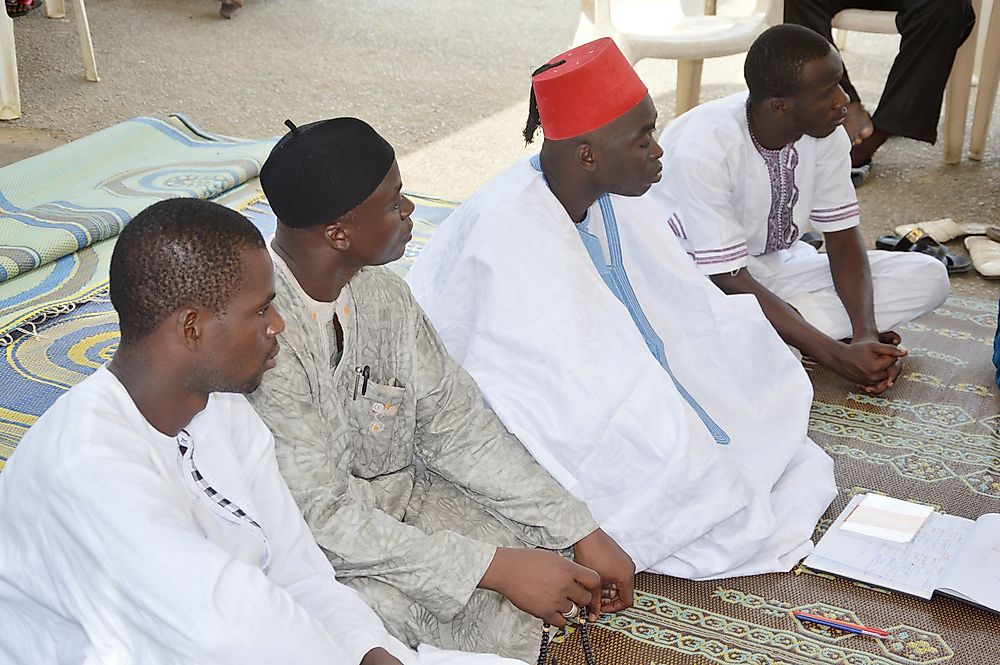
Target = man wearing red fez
(675,412)
(746,175)
(421,499)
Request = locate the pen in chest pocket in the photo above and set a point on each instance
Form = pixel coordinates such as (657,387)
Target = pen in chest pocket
(361,376)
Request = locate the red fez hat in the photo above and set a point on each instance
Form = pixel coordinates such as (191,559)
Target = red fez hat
(593,85)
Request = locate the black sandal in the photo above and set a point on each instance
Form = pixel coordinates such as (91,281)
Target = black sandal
(860,173)
(918,241)
(812,238)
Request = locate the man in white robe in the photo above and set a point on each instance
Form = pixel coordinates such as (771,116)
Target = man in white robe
(143,518)
(745,176)
(675,412)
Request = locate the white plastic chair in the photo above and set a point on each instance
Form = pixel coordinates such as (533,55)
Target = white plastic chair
(10,98)
(678,30)
(989,78)
(958,91)
(840,38)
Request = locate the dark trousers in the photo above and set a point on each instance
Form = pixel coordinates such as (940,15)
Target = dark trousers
(932,31)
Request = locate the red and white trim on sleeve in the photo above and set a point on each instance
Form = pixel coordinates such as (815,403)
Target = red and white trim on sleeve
(676,226)
(707,257)
(837,215)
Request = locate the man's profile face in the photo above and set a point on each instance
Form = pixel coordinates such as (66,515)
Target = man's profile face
(820,106)
(241,342)
(380,227)
(628,156)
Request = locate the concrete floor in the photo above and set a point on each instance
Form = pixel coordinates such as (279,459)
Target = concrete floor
(445,81)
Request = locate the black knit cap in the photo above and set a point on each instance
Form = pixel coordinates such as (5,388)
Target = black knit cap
(318,172)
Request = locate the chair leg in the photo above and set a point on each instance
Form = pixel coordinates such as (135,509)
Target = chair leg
(86,44)
(956,108)
(585,30)
(10,98)
(989,78)
(55,8)
(840,39)
(688,85)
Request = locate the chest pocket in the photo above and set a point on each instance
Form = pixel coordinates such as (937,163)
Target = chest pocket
(378,411)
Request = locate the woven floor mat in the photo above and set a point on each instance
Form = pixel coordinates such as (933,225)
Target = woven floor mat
(61,211)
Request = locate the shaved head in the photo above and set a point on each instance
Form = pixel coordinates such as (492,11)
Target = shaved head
(774,63)
(177,253)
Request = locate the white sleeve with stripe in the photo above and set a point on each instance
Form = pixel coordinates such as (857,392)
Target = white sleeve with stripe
(703,216)
(835,203)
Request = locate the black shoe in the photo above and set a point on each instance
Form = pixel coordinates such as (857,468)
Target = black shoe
(812,238)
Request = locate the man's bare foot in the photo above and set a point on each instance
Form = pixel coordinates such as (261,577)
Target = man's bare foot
(858,123)
(862,152)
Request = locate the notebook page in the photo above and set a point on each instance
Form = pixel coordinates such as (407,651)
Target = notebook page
(974,572)
(886,518)
(915,567)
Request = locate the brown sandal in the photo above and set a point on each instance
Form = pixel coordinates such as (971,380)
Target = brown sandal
(17,8)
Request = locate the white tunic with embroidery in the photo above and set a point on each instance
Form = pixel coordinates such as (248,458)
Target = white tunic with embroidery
(729,198)
(735,204)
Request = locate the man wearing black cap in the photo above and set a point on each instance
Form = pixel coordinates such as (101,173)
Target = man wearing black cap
(416,492)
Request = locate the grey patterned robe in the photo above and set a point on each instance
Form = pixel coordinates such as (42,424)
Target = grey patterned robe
(411,482)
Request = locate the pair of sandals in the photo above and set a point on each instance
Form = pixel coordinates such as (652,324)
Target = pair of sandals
(928,236)
(17,8)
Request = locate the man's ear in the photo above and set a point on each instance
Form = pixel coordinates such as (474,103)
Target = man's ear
(188,324)
(336,237)
(779,106)
(587,157)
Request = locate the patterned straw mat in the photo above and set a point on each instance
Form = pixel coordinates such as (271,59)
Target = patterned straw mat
(934,438)
(57,232)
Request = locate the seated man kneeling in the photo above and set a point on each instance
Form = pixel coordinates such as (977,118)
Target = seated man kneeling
(744,176)
(418,495)
(674,411)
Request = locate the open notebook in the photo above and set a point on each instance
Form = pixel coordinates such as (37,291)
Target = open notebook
(905,547)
